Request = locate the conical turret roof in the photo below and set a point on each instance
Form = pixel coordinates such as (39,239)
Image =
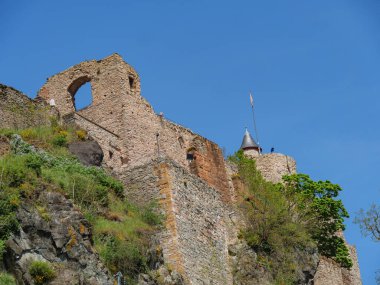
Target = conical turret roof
(248,141)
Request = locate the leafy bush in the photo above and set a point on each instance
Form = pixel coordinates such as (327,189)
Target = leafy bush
(59,140)
(321,212)
(285,220)
(7,279)
(14,173)
(8,221)
(29,134)
(34,162)
(124,256)
(8,225)
(41,272)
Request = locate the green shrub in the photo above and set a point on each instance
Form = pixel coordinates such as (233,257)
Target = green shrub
(41,272)
(7,279)
(122,238)
(14,173)
(323,214)
(125,256)
(273,234)
(34,161)
(149,215)
(59,140)
(8,225)
(101,195)
(287,220)
(29,134)
(7,132)
(8,221)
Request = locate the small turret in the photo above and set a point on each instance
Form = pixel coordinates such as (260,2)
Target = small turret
(249,146)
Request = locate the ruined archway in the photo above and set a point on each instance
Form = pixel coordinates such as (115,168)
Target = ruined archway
(112,80)
(81,93)
(115,86)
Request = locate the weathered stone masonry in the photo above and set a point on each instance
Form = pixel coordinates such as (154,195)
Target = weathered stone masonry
(196,237)
(161,161)
(125,124)
(17,111)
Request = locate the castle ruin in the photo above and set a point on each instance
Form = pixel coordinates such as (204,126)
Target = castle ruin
(159,160)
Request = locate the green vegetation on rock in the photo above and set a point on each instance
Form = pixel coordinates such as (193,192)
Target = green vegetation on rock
(41,272)
(40,162)
(7,279)
(287,221)
(322,214)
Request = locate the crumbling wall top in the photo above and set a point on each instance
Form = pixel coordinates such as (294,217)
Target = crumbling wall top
(109,76)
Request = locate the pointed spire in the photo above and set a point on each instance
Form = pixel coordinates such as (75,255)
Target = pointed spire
(248,141)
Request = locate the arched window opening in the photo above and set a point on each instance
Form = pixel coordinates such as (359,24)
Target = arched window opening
(80,91)
(83,97)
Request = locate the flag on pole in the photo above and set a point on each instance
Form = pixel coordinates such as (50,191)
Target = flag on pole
(251,98)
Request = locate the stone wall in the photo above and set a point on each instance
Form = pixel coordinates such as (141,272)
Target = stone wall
(352,276)
(108,77)
(112,82)
(330,273)
(17,111)
(125,125)
(196,235)
(274,165)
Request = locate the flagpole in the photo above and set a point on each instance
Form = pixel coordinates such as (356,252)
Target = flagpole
(254,120)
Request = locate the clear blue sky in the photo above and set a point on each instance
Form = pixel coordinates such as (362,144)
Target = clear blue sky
(314,68)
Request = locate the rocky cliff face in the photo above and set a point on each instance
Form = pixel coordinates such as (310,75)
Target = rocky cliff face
(248,271)
(58,233)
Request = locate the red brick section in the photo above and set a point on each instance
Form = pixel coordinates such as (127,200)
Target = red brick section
(210,166)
